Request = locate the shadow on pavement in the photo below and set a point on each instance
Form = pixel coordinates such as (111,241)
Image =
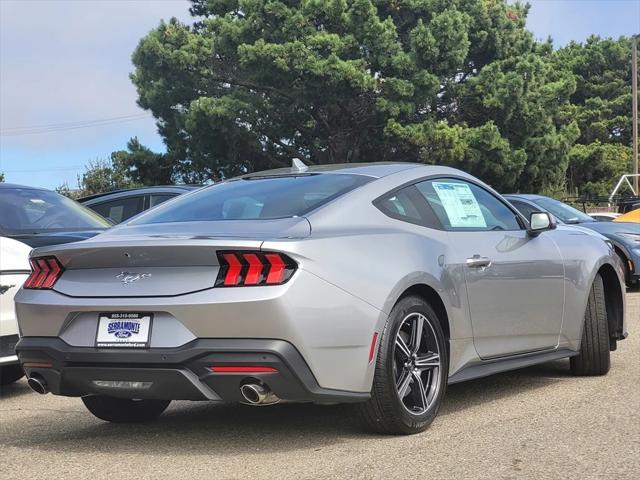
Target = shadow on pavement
(189,428)
(468,394)
(14,389)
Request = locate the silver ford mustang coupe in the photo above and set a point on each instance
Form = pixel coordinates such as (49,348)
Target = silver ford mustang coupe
(375,284)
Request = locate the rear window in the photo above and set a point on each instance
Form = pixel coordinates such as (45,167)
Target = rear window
(28,211)
(255,198)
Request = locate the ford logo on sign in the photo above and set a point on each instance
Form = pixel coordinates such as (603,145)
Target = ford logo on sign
(123,329)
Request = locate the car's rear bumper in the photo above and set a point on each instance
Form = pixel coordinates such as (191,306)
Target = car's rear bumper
(181,373)
(330,328)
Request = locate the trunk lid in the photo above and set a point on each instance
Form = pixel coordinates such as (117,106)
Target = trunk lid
(162,259)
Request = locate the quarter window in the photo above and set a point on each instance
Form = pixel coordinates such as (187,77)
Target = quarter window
(121,209)
(464,206)
(399,205)
(408,205)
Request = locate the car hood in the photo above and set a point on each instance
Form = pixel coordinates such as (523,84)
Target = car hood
(611,228)
(55,238)
(579,227)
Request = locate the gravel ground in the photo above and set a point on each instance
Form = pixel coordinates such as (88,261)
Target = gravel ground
(538,423)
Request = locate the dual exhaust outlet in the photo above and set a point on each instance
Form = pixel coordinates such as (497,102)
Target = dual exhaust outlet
(258,394)
(38,385)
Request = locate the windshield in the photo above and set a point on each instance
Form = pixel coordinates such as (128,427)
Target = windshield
(26,211)
(257,198)
(562,211)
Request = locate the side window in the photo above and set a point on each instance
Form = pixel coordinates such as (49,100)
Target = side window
(409,206)
(524,208)
(460,205)
(119,210)
(158,198)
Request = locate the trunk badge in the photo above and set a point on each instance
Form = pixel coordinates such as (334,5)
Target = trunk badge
(130,277)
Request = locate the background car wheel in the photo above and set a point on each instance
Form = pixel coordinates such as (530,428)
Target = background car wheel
(123,410)
(594,357)
(10,374)
(411,371)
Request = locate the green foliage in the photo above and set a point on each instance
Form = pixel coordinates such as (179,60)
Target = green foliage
(65,190)
(601,106)
(253,83)
(135,167)
(102,176)
(594,168)
(138,165)
(1,177)
(601,103)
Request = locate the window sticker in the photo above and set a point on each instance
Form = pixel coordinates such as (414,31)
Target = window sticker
(460,204)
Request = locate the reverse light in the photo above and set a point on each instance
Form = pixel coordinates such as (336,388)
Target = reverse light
(250,268)
(45,272)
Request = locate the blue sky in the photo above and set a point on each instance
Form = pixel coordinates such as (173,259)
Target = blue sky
(69,61)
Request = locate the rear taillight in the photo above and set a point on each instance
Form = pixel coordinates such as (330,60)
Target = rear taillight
(45,272)
(250,268)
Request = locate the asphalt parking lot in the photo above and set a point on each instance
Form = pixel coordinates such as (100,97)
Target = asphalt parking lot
(538,423)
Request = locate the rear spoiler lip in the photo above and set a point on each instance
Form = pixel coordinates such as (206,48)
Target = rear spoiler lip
(218,234)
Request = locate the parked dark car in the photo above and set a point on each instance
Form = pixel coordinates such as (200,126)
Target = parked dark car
(40,217)
(121,205)
(625,236)
(629,204)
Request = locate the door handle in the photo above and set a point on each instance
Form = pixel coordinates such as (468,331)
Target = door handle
(478,262)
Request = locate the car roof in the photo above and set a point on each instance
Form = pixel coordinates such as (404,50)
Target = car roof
(10,186)
(524,196)
(375,170)
(139,190)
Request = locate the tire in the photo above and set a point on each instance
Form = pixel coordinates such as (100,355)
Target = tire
(10,374)
(595,355)
(388,411)
(123,410)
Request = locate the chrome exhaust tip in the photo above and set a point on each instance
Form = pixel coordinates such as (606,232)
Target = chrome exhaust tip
(256,394)
(38,385)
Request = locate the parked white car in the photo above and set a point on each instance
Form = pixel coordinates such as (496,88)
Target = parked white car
(604,216)
(14,269)
(32,217)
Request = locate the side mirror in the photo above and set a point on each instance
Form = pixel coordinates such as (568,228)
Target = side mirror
(541,222)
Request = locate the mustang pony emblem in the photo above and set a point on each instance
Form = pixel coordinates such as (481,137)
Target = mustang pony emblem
(130,277)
